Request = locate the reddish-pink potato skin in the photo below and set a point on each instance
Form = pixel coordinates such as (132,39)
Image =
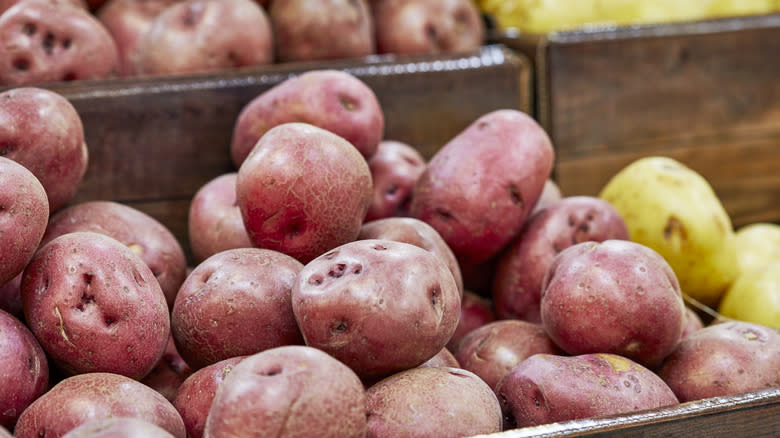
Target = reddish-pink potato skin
(6,4)
(170,372)
(302,191)
(724,359)
(214,222)
(692,322)
(290,391)
(432,401)
(444,358)
(395,168)
(24,369)
(425,27)
(614,296)
(127,21)
(330,99)
(197,392)
(475,311)
(24,214)
(93,396)
(300,27)
(201,36)
(479,188)
(118,427)
(236,303)
(11,296)
(142,233)
(494,349)
(46,42)
(43,131)
(95,306)
(517,282)
(549,388)
(379,306)
(417,233)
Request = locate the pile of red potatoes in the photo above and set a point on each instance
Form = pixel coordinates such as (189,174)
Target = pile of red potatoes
(336,288)
(44,41)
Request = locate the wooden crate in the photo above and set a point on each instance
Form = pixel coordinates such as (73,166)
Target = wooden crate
(154,142)
(705,93)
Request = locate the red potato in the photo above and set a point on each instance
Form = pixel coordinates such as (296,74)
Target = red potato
(24,214)
(196,394)
(291,391)
(45,42)
(127,21)
(475,311)
(214,223)
(24,369)
(432,401)
(42,131)
(330,99)
(395,168)
(200,36)
(727,358)
(444,358)
(614,296)
(94,305)
(302,191)
(299,27)
(692,322)
(143,234)
(548,388)
(414,27)
(379,306)
(415,232)
(479,187)
(6,4)
(118,427)
(88,397)
(170,372)
(517,282)
(492,350)
(11,297)
(236,303)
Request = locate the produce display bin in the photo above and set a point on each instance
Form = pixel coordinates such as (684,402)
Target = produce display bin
(705,93)
(154,142)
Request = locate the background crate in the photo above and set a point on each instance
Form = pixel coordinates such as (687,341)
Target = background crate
(705,93)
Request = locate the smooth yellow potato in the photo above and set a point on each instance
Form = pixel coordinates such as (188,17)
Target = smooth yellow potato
(755,296)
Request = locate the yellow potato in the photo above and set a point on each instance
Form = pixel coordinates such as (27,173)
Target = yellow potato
(673,210)
(755,296)
(757,245)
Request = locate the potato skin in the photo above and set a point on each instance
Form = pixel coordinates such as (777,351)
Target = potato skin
(95,306)
(118,427)
(24,214)
(64,44)
(200,36)
(548,388)
(290,391)
(214,222)
(517,282)
(299,27)
(479,188)
(432,401)
(24,369)
(417,233)
(142,233)
(196,394)
(236,303)
(475,311)
(303,190)
(43,132)
(92,396)
(492,350)
(614,296)
(724,359)
(330,99)
(379,306)
(395,168)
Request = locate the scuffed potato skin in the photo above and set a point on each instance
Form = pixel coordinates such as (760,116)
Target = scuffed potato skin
(45,42)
